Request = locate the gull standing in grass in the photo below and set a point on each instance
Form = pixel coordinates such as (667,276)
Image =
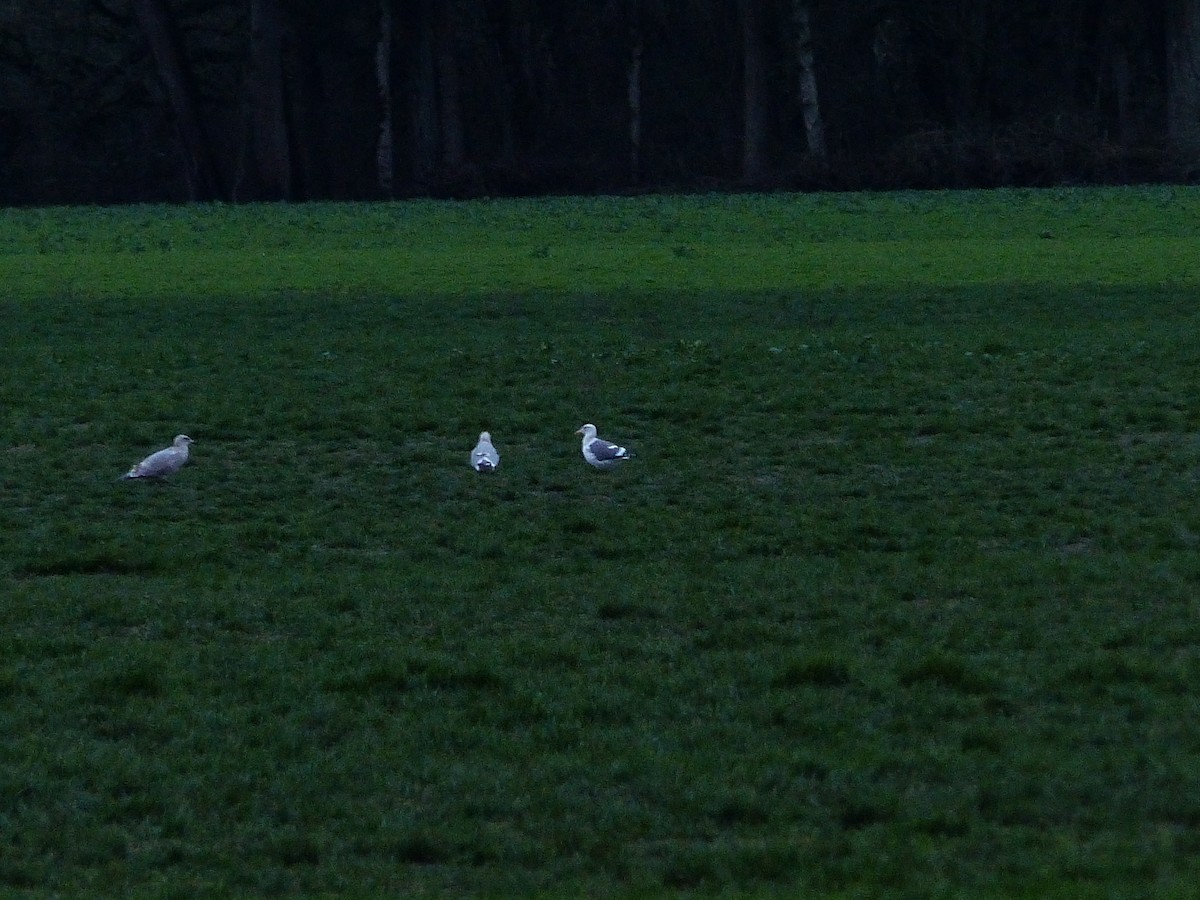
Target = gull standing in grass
(599,452)
(163,463)
(484,457)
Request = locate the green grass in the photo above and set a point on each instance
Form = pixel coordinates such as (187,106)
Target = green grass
(835,242)
(899,596)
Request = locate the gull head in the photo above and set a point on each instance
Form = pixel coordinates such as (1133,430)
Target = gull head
(588,431)
(182,440)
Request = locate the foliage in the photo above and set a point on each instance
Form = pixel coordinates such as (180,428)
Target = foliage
(898,597)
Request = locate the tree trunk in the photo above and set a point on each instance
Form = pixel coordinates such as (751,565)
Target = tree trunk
(268,150)
(814,127)
(505,93)
(634,84)
(754,91)
(449,89)
(971,27)
(1183,80)
(199,167)
(308,98)
(424,98)
(1123,94)
(385,163)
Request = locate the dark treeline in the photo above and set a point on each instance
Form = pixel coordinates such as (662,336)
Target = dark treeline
(141,100)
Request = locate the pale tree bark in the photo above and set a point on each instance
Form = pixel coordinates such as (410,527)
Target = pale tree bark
(754,90)
(633,77)
(814,127)
(199,164)
(1183,80)
(267,156)
(385,162)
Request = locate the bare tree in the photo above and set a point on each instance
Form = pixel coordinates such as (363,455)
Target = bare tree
(1183,80)
(385,166)
(754,90)
(814,127)
(267,155)
(449,88)
(423,94)
(633,79)
(505,88)
(199,165)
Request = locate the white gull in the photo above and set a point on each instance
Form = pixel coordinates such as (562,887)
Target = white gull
(484,457)
(599,452)
(164,462)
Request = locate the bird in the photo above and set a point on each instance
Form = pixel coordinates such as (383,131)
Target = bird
(599,452)
(484,457)
(164,462)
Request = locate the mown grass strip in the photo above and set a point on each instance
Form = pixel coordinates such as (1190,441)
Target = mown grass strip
(743,243)
(584,268)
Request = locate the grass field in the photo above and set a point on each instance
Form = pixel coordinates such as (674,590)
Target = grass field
(900,597)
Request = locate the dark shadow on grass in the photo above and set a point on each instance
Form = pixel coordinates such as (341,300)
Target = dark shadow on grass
(946,671)
(102,563)
(139,679)
(382,678)
(614,610)
(813,671)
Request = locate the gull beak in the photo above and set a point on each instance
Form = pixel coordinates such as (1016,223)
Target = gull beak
(579,431)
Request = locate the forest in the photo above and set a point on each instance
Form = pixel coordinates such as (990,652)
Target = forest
(118,101)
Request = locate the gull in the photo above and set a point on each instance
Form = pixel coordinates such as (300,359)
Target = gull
(164,462)
(599,452)
(484,457)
